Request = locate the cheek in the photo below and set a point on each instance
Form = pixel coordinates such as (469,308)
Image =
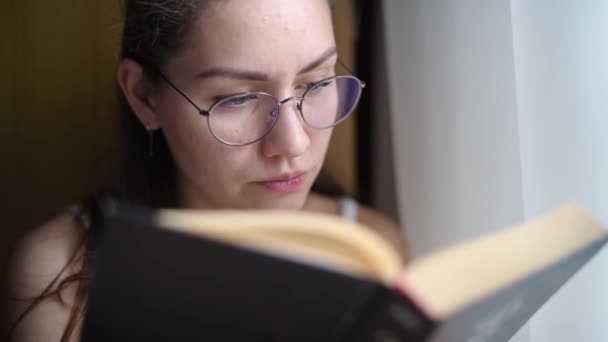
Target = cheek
(200,157)
(186,130)
(320,141)
(191,144)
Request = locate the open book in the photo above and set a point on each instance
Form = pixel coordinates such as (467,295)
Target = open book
(173,275)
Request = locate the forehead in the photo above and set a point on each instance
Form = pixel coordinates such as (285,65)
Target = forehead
(272,36)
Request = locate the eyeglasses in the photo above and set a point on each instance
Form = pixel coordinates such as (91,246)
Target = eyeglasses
(246,118)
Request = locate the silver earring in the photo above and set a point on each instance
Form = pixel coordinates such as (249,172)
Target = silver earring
(150,141)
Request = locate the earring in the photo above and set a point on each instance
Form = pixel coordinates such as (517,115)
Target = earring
(150,140)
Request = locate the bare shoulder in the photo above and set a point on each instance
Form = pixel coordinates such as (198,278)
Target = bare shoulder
(42,254)
(386,227)
(42,258)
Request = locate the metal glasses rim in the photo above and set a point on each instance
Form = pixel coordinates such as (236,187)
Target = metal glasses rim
(300,100)
(207,112)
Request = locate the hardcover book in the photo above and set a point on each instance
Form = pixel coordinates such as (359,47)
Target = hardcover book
(177,275)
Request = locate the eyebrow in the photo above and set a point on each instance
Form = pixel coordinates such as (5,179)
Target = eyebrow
(232,73)
(258,76)
(319,60)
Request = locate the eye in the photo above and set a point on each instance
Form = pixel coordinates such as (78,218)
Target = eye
(317,86)
(323,83)
(237,100)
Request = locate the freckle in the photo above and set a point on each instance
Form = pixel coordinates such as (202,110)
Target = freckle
(288,27)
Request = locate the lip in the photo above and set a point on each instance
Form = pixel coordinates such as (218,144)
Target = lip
(286,182)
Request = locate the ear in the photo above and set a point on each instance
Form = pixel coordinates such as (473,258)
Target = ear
(138,92)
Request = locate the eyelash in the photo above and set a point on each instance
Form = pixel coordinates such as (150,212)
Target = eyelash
(311,84)
(304,86)
(318,79)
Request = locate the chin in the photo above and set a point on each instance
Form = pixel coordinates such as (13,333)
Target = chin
(291,201)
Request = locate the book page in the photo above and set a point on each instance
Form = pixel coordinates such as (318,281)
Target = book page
(477,268)
(314,238)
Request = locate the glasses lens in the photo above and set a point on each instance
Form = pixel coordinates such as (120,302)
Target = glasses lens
(330,101)
(244,118)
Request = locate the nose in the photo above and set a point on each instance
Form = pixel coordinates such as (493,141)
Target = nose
(289,137)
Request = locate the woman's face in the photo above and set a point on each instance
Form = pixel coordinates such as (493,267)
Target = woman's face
(274,46)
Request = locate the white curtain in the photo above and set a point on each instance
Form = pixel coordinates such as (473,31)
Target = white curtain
(499,111)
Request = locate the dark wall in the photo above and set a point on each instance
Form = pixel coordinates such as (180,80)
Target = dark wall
(57,106)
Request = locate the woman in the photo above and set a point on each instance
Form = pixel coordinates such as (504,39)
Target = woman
(227,104)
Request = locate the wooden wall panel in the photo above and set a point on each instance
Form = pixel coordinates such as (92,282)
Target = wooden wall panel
(341,162)
(8,124)
(57,108)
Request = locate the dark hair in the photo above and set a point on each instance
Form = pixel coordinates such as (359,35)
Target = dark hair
(153,30)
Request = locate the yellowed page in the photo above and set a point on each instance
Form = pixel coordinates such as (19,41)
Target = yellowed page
(477,268)
(310,237)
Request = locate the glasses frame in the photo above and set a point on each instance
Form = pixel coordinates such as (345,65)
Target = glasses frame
(300,99)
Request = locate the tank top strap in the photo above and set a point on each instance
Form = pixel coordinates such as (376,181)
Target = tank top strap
(89,213)
(348,208)
(81,215)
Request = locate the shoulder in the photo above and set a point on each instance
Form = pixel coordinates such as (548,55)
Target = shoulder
(369,217)
(43,253)
(42,258)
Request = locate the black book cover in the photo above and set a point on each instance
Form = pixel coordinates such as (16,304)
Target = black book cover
(153,284)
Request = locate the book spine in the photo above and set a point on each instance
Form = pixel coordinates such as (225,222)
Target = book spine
(389,317)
